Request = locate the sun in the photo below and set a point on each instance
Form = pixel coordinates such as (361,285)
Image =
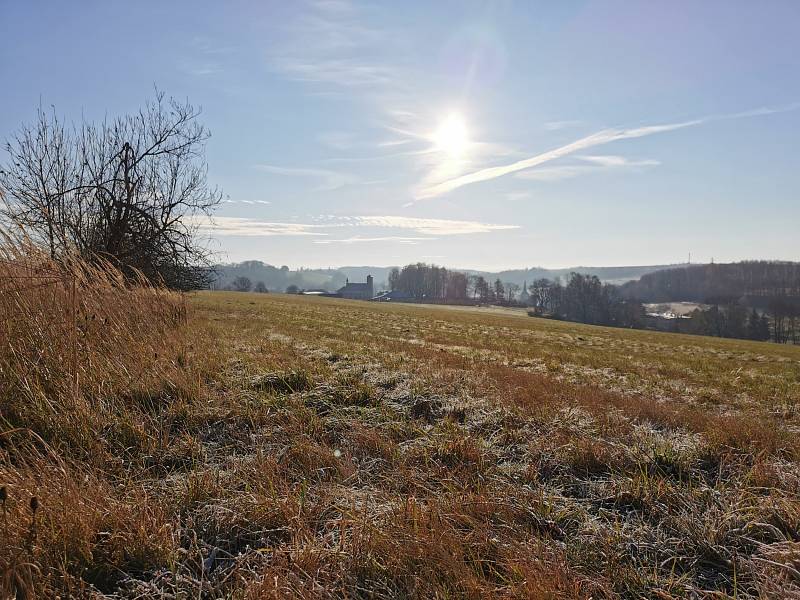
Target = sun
(451,137)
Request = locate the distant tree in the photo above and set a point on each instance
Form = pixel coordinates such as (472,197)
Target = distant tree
(628,313)
(763,328)
(512,289)
(430,282)
(792,330)
(482,290)
(472,286)
(456,289)
(499,290)
(394,278)
(779,310)
(260,288)
(585,299)
(736,318)
(541,296)
(757,326)
(242,284)
(292,289)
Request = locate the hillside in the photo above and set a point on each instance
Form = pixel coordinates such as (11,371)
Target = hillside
(718,282)
(615,275)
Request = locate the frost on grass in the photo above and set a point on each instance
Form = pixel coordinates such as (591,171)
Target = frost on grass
(311,448)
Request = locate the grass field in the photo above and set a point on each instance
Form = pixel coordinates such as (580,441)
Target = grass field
(329,448)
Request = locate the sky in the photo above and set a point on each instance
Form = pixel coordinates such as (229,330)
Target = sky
(487,135)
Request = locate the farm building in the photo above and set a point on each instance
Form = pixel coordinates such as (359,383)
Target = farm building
(358,291)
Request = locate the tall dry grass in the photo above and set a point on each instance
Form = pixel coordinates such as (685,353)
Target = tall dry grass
(76,340)
(85,356)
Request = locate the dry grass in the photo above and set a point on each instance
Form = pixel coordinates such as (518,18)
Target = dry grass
(278,446)
(68,369)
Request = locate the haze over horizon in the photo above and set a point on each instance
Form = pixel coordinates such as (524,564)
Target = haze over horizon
(480,135)
(334,267)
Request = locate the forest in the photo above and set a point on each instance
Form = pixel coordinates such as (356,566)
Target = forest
(760,302)
(715,283)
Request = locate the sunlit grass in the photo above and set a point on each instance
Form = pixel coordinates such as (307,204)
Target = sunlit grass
(333,448)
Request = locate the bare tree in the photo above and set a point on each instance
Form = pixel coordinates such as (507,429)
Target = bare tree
(512,289)
(394,278)
(499,290)
(131,190)
(482,289)
(242,284)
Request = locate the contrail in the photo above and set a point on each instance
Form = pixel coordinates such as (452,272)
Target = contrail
(596,139)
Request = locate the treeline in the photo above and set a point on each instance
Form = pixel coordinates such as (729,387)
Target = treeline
(438,284)
(586,299)
(769,289)
(728,321)
(429,282)
(717,283)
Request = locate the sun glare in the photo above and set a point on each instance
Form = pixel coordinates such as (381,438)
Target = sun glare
(451,137)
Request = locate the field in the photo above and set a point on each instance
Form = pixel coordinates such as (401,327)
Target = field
(315,447)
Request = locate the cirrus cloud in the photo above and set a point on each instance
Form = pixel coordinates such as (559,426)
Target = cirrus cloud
(243,226)
(588,165)
(430,226)
(325,224)
(388,238)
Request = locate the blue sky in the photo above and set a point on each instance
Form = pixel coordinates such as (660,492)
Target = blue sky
(471,134)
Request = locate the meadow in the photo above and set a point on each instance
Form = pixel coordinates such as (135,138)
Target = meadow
(266,445)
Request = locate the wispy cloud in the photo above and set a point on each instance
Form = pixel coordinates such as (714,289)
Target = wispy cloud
(389,238)
(556,125)
(515,196)
(605,136)
(243,226)
(334,6)
(332,46)
(338,140)
(596,164)
(250,202)
(428,226)
(340,71)
(329,180)
(613,161)
(558,173)
(324,225)
(205,57)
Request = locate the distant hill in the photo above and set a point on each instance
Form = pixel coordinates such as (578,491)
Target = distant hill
(718,282)
(615,275)
(279,278)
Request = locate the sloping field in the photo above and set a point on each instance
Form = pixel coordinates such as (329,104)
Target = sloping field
(324,448)
(433,450)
